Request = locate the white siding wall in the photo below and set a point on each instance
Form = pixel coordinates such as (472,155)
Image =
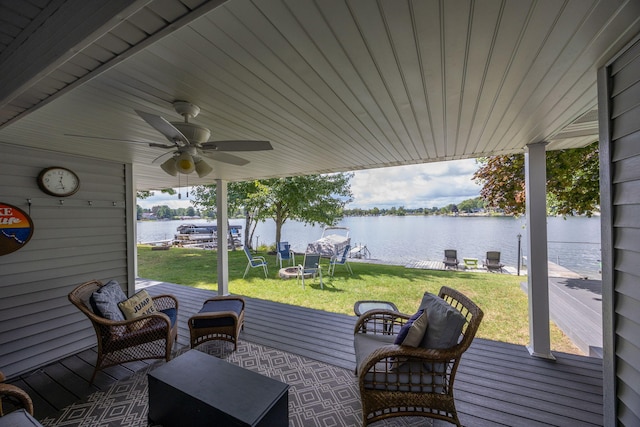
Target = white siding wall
(82,239)
(619,105)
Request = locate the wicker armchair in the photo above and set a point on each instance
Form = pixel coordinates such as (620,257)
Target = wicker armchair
(148,337)
(399,380)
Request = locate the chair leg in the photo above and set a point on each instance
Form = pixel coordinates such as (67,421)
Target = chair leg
(246,270)
(266,272)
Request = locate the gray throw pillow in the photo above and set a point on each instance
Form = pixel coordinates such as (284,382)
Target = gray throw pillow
(445,323)
(105,301)
(412,332)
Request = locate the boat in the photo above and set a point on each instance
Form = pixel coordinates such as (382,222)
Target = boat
(206,235)
(332,242)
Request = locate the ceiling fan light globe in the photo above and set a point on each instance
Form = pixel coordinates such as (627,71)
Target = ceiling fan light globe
(169,166)
(185,163)
(203,168)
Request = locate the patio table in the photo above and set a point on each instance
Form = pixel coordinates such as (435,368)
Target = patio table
(198,389)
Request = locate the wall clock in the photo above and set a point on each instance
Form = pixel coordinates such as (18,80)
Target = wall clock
(58,181)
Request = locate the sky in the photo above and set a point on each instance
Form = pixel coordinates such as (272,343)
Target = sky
(415,186)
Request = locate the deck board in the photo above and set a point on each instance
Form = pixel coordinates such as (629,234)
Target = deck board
(498,384)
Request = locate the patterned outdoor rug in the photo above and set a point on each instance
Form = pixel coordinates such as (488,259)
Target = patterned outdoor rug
(319,394)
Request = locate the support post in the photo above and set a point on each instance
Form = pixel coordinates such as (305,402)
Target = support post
(222,233)
(538,267)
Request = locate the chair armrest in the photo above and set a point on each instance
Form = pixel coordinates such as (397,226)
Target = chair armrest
(386,322)
(163,302)
(259,258)
(16,394)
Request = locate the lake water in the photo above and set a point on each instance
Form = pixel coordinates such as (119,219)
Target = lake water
(574,242)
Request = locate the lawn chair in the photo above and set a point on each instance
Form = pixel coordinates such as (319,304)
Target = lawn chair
(285,253)
(310,266)
(340,260)
(492,262)
(450,258)
(255,261)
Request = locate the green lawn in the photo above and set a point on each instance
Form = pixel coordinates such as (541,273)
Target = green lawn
(499,295)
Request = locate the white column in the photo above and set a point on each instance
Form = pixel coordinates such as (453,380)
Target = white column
(131,224)
(538,267)
(222,233)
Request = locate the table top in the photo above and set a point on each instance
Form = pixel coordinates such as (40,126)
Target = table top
(361,307)
(221,384)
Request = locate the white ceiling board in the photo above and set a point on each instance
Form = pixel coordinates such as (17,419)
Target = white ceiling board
(335,85)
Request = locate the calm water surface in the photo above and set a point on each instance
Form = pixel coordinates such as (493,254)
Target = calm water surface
(574,243)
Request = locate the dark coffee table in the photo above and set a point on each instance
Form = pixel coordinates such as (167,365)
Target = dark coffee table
(197,389)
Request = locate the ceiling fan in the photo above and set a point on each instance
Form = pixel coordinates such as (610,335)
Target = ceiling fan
(189,143)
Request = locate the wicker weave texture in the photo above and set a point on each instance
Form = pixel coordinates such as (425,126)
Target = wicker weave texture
(199,334)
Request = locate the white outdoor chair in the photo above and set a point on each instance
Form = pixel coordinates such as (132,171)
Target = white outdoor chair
(285,253)
(340,260)
(310,266)
(255,261)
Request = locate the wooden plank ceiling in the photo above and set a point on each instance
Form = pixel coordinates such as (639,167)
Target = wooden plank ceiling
(335,85)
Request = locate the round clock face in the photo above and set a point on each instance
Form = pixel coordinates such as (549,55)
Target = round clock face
(58,181)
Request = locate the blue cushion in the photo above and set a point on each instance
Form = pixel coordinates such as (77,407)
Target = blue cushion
(172,313)
(217,306)
(105,301)
(412,332)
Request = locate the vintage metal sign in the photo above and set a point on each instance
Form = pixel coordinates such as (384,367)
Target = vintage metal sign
(16,228)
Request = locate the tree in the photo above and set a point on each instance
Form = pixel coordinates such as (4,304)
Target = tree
(572,181)
(311,199)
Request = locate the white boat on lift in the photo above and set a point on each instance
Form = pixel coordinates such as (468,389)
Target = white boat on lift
(332,242)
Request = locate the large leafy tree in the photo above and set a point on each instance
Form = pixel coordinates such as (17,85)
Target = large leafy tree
(312,199)
(572,181)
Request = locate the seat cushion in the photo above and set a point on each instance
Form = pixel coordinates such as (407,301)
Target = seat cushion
(216,306)
(105,301)
(18,418)
(445,323)
(365,344)
(172,313)
(413,331)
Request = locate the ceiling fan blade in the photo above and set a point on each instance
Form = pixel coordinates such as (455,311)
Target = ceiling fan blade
(237,145)
(163,126)
(106,139)
(161,158)
(225,158)
(157,145)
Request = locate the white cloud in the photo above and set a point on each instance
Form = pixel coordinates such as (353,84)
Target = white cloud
(414,186)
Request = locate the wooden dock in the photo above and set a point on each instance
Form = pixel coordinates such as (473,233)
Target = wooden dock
(498,384)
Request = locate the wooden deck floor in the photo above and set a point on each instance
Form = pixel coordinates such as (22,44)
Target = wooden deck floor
(498,384)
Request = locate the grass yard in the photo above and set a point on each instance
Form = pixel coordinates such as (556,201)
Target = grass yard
(499,295)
